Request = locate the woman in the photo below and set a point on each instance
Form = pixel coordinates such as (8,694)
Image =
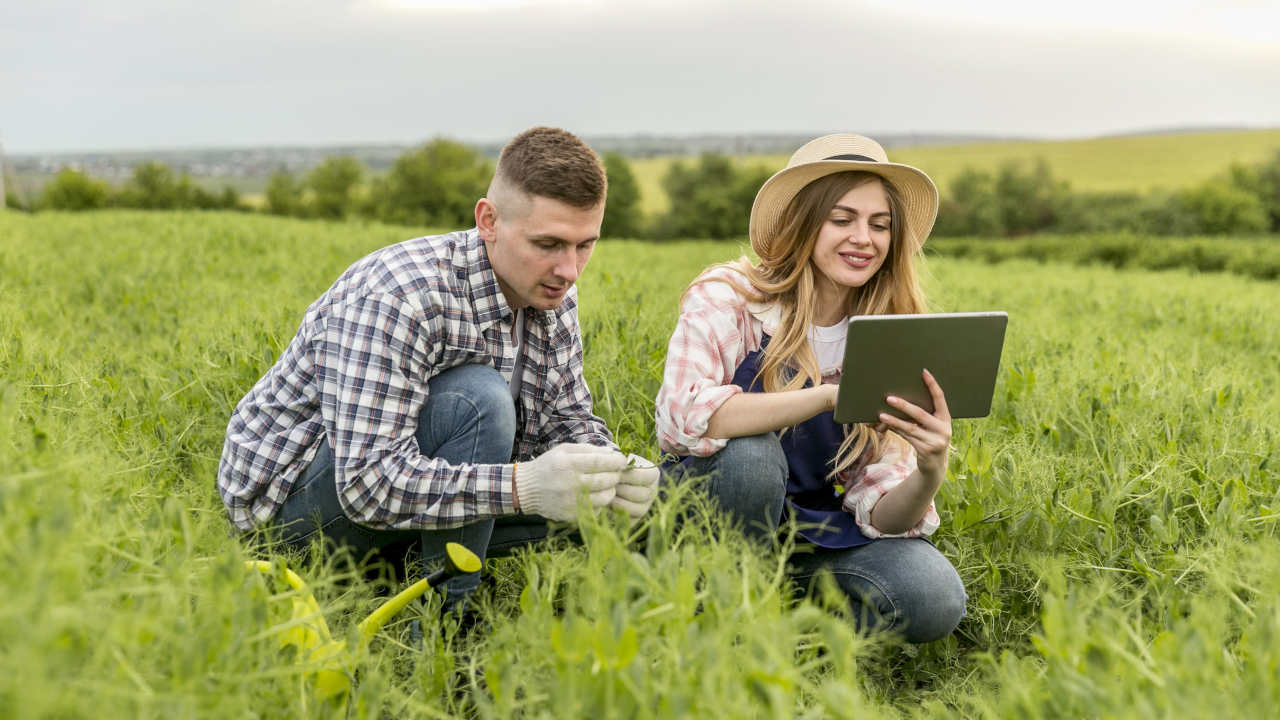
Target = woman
(751,381)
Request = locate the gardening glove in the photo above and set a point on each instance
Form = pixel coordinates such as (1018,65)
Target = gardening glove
(549,484)
(637,487)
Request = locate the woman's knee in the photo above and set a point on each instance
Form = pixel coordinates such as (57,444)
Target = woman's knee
(930,595)
(902,585)
(748,480)
(754,458)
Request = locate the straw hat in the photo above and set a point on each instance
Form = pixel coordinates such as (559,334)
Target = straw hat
(842,152)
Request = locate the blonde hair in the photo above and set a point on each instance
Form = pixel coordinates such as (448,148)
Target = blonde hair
(785,276)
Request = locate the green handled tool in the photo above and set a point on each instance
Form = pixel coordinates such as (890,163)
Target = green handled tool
(334,660)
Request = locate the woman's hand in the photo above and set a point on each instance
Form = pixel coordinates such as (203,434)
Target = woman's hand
(929,434)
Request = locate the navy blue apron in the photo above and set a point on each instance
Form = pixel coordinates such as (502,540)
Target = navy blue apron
(809,447)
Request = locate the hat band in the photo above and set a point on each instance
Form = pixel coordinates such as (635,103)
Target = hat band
(862,158)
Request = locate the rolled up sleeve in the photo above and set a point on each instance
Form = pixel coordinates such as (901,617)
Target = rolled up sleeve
(866,485)
(711,338)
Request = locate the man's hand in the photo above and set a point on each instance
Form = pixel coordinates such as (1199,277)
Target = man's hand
(549,484)
(637,487)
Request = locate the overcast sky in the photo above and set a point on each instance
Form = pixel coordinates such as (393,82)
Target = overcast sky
(136,74)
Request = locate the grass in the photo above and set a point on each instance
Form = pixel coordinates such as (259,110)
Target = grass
(1139,163)
(1115,519)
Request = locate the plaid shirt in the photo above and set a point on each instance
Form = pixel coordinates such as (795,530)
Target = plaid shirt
(357,373)
(717,328)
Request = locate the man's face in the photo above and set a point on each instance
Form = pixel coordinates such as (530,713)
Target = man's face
(538,248)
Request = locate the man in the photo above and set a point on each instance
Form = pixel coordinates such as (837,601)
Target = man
(393,417)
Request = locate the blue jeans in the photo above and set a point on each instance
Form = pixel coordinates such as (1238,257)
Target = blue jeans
(903,585)
(469,418)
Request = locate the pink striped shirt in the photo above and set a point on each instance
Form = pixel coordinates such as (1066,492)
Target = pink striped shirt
(717,328)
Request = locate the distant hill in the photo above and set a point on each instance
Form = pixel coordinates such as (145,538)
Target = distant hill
(1135,162)
(1139,161)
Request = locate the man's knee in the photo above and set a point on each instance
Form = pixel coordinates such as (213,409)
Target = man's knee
(478,391)
(469,416)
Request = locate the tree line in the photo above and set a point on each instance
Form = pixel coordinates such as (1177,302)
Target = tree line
(436,185)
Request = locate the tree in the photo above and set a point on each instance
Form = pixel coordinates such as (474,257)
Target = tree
(73,190)
(332,182)
(229,198)
(1221,208)
(710,199)
(622,207)
(1029,201)
(284,194)
(154,187)
(970,208)
(436,185)
(1263,182)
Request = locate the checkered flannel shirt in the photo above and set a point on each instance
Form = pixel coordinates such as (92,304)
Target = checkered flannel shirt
(716,329)
(357,373)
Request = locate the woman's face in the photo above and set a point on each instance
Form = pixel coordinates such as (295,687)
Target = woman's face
(854,240)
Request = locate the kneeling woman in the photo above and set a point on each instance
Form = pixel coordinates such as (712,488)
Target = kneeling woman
(751,380)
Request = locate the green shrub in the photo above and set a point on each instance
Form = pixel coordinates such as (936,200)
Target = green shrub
(73,190)
(710,199)
(622,208)
(155,187)
(436,185)
(1263,182)
(970,208)
(1221,208)
(284,194)
(332,183)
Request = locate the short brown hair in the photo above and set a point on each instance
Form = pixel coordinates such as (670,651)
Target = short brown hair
(552,163)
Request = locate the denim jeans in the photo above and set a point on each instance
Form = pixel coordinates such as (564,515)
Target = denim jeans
(902,585)
(469,418)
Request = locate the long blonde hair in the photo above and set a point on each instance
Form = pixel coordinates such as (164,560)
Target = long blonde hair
(785,276)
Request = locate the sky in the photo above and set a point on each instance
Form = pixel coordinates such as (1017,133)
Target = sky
(143,74)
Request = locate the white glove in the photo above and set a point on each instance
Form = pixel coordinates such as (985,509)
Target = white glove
(549,484)
(637,487)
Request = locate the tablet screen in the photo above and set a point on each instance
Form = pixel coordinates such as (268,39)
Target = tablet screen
(885,355)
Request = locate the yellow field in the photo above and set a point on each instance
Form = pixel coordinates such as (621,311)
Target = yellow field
(1140,163)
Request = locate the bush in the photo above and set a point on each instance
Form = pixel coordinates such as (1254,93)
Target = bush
(622,208)
(1017,200)
(73,190)
(712,199)
(1220,208)
(436,185)
(155,187)
(13,202)
(970,209)
(1029,200)
(1263,182)
(332,183)
(283,194)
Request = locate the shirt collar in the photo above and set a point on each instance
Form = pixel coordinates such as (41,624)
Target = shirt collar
(490,304)
(768,313)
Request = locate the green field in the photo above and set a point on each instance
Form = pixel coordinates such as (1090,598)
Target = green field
(1116,519)
(1139,163)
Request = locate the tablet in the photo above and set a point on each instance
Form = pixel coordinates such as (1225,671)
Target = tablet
(884,355)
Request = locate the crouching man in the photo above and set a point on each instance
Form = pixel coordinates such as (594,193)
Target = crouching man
(435,393)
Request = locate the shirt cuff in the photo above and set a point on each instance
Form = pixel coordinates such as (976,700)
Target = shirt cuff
(498,484)
(860,501)
(687,436)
